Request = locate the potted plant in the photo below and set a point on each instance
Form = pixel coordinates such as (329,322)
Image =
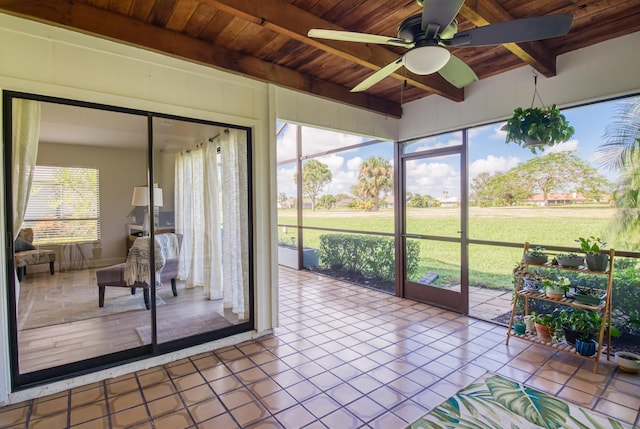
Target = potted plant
(519,326)
(535,128)
(571,260)
(536,255)
(586,344)
(555,289)
(532,282)
(542,324)
(628,362)
(589,296)
(592,247)
(577,322)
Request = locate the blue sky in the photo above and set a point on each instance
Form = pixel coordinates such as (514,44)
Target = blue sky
(487,152)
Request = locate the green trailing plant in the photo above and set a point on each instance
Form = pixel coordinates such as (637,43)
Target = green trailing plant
(536,251)
(536,127)
(591,245)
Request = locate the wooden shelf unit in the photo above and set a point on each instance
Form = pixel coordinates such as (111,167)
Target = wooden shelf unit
(604,308)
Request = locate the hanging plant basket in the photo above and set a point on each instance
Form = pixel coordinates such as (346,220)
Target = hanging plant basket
(537,127)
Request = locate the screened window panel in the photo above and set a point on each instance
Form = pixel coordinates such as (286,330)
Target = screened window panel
(64,205)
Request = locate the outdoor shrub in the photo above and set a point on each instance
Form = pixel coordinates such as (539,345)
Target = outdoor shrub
(368,255)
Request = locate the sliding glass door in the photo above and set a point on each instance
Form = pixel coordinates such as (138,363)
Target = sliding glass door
(118,219)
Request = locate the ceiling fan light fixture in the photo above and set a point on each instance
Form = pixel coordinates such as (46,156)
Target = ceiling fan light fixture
(426,59)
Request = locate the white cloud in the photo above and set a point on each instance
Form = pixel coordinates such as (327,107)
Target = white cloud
(492,164)
(285,181)
(434,179)
(354,163)
(571,145)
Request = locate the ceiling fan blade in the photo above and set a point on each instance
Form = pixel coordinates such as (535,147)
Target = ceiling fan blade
(378,76)
(457,72)
(348,36)
(516,31)
(438,13)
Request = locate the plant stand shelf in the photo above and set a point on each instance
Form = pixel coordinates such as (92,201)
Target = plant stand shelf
(604,308)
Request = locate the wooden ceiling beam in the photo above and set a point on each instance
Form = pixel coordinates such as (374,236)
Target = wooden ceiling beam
(484,12)
(293,22)
(79,16)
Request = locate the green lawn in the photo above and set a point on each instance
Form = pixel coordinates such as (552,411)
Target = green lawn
(489,266)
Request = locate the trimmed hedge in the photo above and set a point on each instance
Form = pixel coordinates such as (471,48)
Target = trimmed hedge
(365,254)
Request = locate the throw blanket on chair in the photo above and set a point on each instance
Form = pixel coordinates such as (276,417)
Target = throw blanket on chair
(137,264)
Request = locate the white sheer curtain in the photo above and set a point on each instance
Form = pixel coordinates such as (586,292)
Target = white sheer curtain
(198,219)
(233,151)
(25,132)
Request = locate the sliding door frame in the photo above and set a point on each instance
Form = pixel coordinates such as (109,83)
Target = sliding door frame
(26,380)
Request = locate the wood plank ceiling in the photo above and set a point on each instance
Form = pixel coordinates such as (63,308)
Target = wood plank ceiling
(267,39)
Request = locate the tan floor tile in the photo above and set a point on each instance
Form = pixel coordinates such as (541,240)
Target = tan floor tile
(175,420)
(14,414)
(100,423)
(152,378)
(278,401)
(618,411)
(216,372)
(122,402)
(130,417)
(197,394)
(222,421)
(206,410)
(189,381)
(123,386)
(297,417)
(225,384)
(236,398)
(264,388)
(88,412)
(165,405)
(577,397)
(159,390)
(53,406)
(87,396)
(250,413)
(53,421)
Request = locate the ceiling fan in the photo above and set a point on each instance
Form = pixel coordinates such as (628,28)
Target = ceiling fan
(429,34)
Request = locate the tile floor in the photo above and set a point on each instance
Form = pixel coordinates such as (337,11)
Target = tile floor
(344,357)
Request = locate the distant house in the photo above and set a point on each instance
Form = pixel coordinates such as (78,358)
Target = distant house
(557,199)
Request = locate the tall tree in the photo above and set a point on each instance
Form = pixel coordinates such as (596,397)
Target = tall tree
(375,179)
(315,176)
(505,189)
(561,171)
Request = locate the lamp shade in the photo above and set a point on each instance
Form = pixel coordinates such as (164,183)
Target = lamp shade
(426,59)
(141,196)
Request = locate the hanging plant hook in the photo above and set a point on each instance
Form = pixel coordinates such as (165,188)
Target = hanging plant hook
(535,91)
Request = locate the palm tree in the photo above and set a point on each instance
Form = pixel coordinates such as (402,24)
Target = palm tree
(375,176)
(621,152)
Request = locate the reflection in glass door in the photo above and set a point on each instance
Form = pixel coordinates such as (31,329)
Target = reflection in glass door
(433,229)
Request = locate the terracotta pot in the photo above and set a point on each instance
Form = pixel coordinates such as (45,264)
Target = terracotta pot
(543,332)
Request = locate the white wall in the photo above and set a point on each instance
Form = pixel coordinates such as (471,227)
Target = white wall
(600,71)
(298,108)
